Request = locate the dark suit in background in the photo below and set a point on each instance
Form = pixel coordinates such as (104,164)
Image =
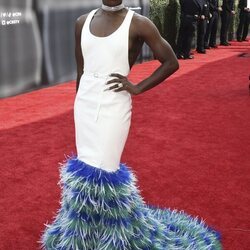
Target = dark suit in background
(202,26)
(190,11)
(226,16)
(244,21)
(210,37)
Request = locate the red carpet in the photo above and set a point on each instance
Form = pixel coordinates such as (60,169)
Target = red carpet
(189,145)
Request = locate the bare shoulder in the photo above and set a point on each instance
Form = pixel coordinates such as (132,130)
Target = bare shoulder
(140,19)
(143,25)
(80,22)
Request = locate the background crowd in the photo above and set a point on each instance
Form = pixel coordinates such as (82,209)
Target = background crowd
(37,46)
(203,16)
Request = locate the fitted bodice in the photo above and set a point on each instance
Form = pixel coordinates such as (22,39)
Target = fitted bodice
(109,54)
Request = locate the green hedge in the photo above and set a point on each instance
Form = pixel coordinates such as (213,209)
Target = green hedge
(166,16)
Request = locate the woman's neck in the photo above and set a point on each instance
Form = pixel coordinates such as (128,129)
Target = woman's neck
(113,8)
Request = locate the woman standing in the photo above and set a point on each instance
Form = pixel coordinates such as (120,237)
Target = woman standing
(102,208)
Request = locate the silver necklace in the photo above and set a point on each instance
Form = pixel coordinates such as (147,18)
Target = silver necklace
(114,8)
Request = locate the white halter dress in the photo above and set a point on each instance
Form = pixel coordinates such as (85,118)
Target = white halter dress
(102,118)
(101,205)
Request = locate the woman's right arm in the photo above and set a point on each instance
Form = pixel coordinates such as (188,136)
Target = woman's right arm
(78,51)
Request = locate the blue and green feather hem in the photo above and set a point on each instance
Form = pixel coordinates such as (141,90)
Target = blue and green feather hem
(103,210)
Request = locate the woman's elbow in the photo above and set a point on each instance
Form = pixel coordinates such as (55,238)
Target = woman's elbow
(177,65)
(174,65)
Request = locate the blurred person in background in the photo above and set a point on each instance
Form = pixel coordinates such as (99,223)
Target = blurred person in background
(226,17)
(211,32)
(190,12)
(242,31)
(202,27)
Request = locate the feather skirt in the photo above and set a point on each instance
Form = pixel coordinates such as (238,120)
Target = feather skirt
(103,210)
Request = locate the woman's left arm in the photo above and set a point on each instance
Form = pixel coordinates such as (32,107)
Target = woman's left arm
(162,51)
